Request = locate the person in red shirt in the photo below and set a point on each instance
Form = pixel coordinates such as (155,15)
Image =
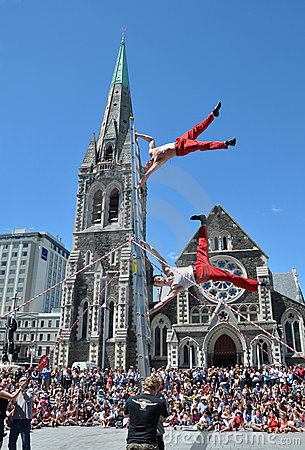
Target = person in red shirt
(236,423)
(273,425)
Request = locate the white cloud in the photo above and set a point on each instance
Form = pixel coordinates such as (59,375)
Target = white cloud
(276,209)
(172,255)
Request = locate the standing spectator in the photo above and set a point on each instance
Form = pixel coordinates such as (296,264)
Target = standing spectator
(46,377)
(144,411)
(22,416)
(5,397)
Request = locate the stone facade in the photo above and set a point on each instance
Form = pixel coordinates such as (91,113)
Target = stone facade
(209,332)
(103,222)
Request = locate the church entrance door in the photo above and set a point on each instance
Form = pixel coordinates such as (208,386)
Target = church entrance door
(224,352)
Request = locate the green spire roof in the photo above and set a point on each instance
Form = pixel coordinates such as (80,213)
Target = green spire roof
(120,75)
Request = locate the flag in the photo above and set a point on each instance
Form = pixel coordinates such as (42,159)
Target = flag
(44,362)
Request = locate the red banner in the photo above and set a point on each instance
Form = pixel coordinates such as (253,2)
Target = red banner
(44,362)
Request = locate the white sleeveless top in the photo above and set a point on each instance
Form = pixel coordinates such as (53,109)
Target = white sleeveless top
(183,276)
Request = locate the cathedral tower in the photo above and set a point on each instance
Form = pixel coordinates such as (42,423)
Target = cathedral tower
(103,221)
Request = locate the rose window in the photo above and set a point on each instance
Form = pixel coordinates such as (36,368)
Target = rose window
(223,289)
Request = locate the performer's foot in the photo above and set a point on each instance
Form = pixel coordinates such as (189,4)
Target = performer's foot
(231,142)
(202,219)
(216,109)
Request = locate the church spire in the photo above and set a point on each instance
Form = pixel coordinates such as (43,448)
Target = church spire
(120,75)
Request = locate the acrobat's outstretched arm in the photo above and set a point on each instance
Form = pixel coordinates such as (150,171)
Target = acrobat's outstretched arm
(152,167)
(149,139)
(165,266)
(173,292)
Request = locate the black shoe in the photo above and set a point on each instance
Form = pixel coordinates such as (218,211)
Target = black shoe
(202,219)
(231,142)
(216,109)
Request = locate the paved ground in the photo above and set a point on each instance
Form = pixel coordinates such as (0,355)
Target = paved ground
(70,438)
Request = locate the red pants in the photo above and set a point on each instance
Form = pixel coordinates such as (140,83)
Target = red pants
(205,272)
(187,144)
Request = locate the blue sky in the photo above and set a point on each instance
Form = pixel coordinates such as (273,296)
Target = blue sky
(56,64)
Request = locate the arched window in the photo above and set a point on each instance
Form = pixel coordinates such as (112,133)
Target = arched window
(288,332)
(186,355)
(200,315)
(26,323)
(157,341)
(109,153)
(160,325)
(195,317)
(164,343)
(205,318)
(88,258)
(292,331)
(253,313)
(97,207)
(297,338)
(111,321)
(224,243)
(85,321)
(243,310)
(263,352)
(216,245)
(114,206)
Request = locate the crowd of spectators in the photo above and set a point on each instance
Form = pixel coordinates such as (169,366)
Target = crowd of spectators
(271,399)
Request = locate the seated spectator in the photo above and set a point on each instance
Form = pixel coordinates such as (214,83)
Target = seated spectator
(205,423)
(258,422)
(273,425)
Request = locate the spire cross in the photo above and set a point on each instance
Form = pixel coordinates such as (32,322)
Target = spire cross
(123,33)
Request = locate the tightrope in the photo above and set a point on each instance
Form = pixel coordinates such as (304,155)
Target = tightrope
(65,279)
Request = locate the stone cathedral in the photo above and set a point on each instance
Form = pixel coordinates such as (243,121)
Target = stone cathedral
(103,221)
(195,331)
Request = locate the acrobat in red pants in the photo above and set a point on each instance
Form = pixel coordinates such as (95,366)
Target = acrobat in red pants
(187,143)
(203,270)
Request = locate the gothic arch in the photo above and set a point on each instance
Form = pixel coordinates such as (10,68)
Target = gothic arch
(216,332)
(185,354)
(110,318)
(113,191)
(293,326)
(159,327)
(220,240)
(83,330)
(92,206)
(260,357)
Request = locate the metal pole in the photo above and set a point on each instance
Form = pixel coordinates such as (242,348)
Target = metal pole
(104,323)
(139,268)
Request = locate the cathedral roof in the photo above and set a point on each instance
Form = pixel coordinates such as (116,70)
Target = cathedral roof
(120,75)
(286,283)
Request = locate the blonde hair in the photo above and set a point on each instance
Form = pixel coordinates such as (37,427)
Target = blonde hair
(151,383)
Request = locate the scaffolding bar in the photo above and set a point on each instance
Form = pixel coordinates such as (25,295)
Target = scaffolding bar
(139,266)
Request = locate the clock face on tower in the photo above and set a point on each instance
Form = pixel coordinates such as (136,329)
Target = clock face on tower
(223,289)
